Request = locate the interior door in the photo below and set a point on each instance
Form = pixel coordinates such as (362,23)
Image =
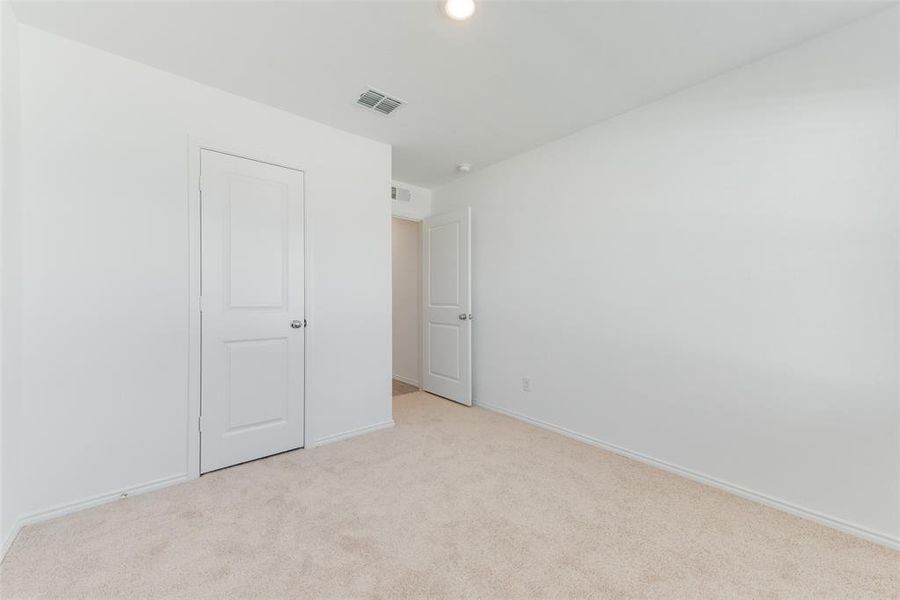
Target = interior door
(252,319)
(447,314)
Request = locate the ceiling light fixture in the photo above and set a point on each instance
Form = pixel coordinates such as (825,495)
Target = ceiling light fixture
(464,167)
(458,10)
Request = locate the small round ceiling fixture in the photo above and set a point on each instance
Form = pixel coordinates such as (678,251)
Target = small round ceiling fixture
(464,167)
(458,10)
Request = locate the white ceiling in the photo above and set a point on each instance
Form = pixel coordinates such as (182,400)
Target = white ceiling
(517,75)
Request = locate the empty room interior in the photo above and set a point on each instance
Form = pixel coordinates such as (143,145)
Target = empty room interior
(450,299)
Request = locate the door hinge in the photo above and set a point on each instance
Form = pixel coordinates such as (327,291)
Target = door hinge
(201,303)
(200,183)
(200,423)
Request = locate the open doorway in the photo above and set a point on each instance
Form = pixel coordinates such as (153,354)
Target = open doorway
(407,316)
(432,318)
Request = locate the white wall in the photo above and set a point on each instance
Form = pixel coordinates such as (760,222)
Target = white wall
(712,280)
(405,276)
(419,205)
(11,255)
(105,349)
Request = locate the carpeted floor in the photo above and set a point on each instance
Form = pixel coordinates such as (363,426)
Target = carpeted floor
(400,388)
(452,502)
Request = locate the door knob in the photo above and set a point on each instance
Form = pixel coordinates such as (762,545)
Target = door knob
(463,317)
(296,324)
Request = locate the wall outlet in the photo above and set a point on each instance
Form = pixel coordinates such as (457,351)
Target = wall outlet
(526,384)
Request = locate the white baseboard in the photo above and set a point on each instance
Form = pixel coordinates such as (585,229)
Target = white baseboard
(64,509)
(337,437)
(9,539)
(799,511)
(408,380)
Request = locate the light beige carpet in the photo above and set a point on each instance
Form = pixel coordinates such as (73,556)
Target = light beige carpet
(452,502)
(400,388)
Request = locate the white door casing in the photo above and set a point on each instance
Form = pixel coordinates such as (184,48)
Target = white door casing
(447,306)
(252,310)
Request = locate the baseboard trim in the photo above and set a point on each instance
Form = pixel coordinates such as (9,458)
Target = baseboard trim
(8,541)
(406,380)
(799,511)
(64,509)
(337,437)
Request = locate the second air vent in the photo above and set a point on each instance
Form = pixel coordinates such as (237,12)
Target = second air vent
(379,101)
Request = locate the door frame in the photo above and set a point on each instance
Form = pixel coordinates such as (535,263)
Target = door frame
(196,145)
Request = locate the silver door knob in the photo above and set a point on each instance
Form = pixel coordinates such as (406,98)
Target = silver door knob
(296,324)
(463,317)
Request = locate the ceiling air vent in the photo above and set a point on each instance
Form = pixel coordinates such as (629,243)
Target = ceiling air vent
(379,101)
(401,194)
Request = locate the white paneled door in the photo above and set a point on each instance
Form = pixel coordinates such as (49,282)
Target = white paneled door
(447,310)
(252,307)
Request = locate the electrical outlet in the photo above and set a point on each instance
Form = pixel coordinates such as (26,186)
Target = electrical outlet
(526,384)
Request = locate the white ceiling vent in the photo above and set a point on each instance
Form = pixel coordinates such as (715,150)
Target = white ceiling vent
(379,101)
(401,194)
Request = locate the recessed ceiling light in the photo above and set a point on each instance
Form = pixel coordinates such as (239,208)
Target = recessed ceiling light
(458,10)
